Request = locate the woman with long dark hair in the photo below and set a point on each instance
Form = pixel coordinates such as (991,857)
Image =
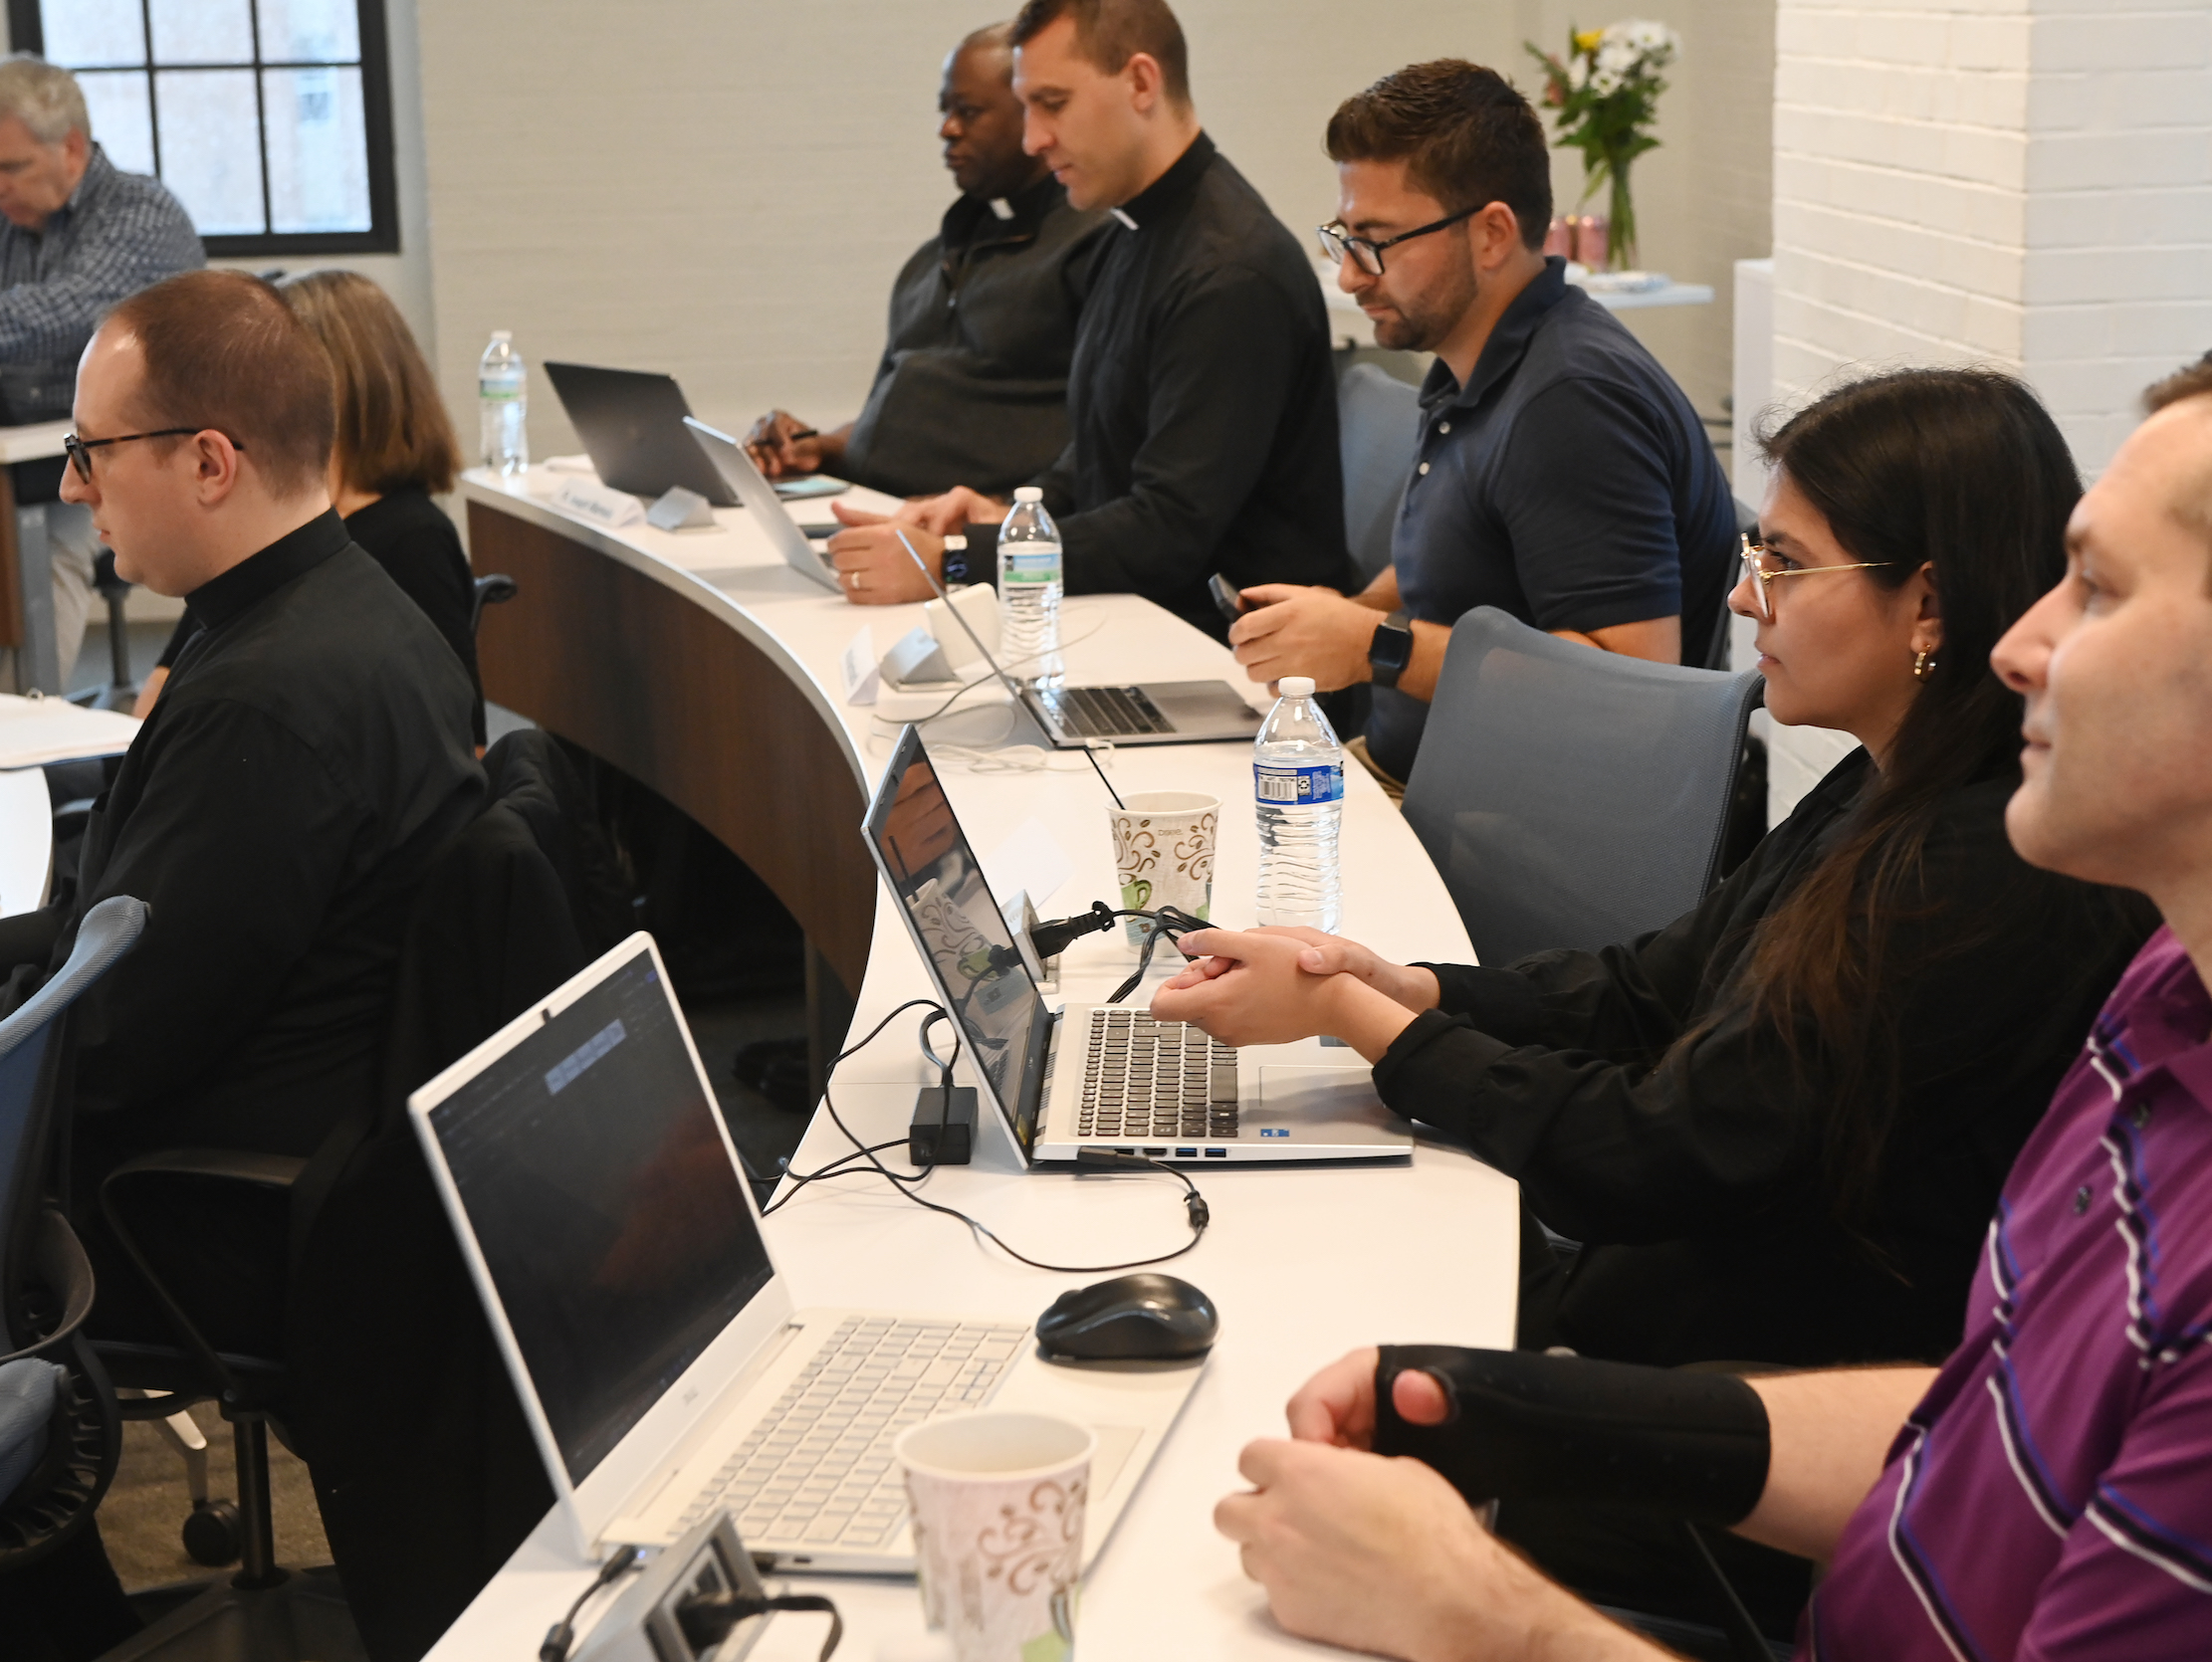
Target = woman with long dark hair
(1778,1126)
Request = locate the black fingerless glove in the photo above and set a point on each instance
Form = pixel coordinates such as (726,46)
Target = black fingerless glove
(1524,1426)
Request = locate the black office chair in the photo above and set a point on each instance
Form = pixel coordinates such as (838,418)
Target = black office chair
(494,590)
(46,1284)
(378,1316)
(1571,797)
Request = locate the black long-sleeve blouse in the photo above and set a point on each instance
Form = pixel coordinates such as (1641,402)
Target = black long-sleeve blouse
(1694,1174)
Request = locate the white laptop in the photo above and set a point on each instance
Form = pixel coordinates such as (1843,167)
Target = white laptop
(652,1341)
(752,488)
(1101,1076)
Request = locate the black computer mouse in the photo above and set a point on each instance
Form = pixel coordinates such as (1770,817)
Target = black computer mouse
(1132,1318)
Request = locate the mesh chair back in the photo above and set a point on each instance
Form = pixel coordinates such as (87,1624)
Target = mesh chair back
(27,1059)
(1571,797)
(1378,426)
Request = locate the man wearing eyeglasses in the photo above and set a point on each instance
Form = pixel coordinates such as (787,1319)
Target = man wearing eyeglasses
(1560,475)
(76,235)
(1200,400)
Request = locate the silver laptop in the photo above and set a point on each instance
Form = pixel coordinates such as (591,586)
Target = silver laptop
(760,499)
(1101,1076)
(652,1341)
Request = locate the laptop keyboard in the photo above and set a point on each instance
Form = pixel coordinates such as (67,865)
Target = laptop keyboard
(1105,712)
(817,1469)
(1162,1082)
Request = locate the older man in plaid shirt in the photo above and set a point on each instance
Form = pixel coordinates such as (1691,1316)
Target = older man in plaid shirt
(76,235)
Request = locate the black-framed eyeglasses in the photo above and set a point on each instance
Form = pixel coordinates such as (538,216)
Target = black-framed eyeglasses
(80,451)
(1337,244)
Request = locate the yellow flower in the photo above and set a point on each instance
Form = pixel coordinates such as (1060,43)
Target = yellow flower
(1589,40)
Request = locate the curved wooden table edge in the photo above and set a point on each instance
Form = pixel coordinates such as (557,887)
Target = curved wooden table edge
(659,673)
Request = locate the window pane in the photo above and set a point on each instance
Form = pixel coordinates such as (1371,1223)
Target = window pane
(311,31)
(318,150)
(210,149)
(86,32)
(201,32)
(122,120)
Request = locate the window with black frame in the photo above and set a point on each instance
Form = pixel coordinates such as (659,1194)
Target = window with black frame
(268,119)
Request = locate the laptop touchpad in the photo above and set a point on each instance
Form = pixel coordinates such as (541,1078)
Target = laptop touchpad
(1318,1092)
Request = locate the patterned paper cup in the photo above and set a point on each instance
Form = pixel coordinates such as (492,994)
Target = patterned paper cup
(1164,855)
(996,1501)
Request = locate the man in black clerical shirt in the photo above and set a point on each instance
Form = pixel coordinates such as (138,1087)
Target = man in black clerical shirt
(973,385)
(1559,473)
(312,750)
(1201,403)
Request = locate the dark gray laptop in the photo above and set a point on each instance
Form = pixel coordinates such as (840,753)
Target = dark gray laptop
(632,423)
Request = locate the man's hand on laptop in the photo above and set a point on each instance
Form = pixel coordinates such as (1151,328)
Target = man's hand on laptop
(783,446)
(873,566)
(952,512)
(1290,630)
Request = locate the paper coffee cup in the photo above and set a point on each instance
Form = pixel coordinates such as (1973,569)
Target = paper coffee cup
(1164,842)
(996,1502)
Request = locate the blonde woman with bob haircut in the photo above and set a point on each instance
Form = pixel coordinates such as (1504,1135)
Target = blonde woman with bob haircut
(395,448)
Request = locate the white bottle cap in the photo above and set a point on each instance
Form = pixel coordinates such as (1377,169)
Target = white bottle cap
(503,334)
(1028,493)
(1296,686)
(954,544)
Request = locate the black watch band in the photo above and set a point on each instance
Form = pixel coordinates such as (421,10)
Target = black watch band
(1390,650)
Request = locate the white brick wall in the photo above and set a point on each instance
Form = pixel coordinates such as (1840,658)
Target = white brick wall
(2024,182)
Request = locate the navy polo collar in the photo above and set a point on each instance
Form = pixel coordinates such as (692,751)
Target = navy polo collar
(1502,352)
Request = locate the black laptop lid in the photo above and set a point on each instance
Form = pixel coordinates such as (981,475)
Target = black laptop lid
(632,423)
(925,857)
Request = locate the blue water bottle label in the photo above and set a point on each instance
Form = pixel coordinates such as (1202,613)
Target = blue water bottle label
(1275,785)
(1029,562)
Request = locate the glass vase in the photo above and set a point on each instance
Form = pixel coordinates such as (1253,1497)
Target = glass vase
(1620,229)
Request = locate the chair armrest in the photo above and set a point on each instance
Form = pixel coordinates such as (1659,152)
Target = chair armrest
(68,1273)
(265,1172)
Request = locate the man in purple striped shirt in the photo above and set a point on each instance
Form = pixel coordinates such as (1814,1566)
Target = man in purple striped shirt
(2047,1493)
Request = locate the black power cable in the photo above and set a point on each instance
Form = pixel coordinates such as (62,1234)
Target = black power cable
(704,1618)
(1194,1209)
(562,1634)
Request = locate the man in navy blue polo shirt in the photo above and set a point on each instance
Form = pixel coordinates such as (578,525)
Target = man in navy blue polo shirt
(1561,474)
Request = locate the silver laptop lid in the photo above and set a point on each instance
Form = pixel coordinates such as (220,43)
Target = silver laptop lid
(760,501)
(949,908)
(599,1202)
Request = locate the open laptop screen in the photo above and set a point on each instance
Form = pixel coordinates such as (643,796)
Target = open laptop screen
(607,1206)
(940,883)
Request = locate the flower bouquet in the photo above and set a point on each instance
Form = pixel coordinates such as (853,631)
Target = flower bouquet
(1606,92)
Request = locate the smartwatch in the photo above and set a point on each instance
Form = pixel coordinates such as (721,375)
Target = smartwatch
(1390,650)
(955,562)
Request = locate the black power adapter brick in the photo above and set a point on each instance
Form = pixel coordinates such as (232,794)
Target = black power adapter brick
(938,1137)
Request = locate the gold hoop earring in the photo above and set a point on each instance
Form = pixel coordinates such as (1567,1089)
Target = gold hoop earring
(1923,664)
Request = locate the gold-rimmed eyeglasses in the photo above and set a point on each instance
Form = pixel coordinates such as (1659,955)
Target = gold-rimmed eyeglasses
(1764,565)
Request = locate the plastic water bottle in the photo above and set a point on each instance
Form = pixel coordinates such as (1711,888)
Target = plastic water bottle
(503,396)
(1298,791)
(1030,589)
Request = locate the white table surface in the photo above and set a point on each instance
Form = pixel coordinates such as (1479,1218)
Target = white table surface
(33,443)
(1303,1263)
(26,841)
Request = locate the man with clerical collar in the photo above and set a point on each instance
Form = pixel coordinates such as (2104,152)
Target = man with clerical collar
(1559,473)
(973,384)
(311,750)
(1202,400)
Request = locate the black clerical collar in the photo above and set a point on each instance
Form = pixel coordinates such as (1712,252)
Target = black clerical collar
(1508,338)
(975,221)
(1168,189)
(255,578)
